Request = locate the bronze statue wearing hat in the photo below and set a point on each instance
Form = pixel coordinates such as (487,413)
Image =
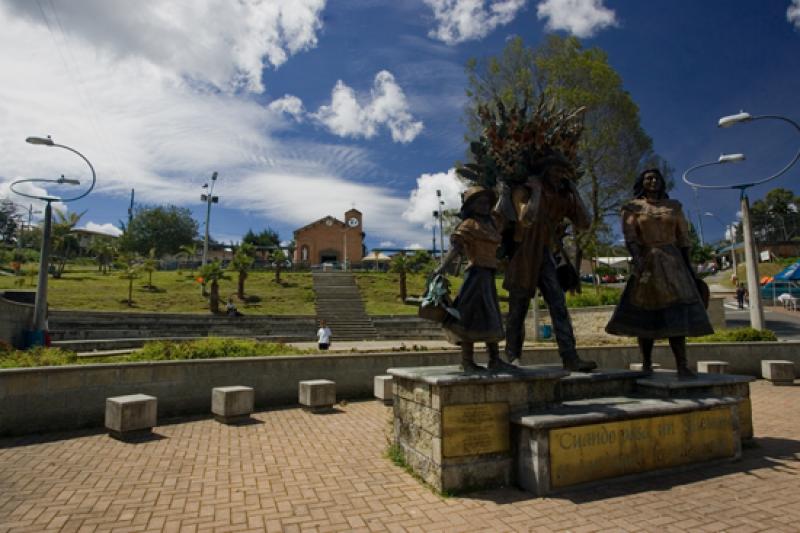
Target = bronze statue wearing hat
(476,237)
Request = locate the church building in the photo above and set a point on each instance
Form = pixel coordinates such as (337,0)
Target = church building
(329,240)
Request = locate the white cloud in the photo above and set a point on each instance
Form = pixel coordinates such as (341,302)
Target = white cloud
(289,105)
(465,20)
(793,13)
(414,246)
(387,244)
(223,43)
(107,228)
(24,203)
(423,200)
(582,18)
(346,116)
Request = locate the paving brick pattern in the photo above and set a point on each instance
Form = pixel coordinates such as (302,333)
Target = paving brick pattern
(291,470)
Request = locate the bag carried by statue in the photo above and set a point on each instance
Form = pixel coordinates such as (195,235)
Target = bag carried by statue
(436,304)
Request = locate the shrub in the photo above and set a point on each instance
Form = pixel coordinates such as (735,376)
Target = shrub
(738,335)
(39,356)
(211,348)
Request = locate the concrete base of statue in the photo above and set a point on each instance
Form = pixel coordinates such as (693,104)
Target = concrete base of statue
(544,429)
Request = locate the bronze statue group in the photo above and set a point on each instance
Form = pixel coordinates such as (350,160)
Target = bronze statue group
(522,191)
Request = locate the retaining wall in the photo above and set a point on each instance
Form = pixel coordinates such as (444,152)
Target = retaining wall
(16,315)
(59,398)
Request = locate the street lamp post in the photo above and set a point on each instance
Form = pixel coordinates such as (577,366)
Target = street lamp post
(753,287)
(40,306)
(731,239)
(435,219)
(441,225)
(208,199)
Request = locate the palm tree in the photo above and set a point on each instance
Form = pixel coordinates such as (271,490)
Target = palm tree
(150,265)
(65,244)
(189,250)
(242,262)
(278,258)
(212,272)
(399,265)
(104,252)
(130,271)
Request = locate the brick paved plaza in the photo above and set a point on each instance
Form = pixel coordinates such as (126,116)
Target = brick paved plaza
(295,471)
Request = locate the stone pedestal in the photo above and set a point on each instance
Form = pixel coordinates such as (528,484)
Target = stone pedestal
(638,367)
(453,428)
(667,384)
(712,367)
(777,371)
(232,404)
(317,394)
(383,389)
(131,415)
(585,441)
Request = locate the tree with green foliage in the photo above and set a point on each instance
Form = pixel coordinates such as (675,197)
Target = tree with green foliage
(267,238)
(698,252)
(243,259)
(400,265)
(212,273)
(613,148)
(421,261)
(165,228)
(188,251)
(8,221)
(776,217)
(65,243)
(104,251)
(278,259)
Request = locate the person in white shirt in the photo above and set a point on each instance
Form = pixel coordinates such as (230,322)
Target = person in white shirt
(323,336)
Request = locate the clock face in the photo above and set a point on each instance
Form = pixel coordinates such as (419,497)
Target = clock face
(353,222)
(329,222)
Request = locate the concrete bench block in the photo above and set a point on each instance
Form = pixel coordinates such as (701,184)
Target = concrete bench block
(231,404)
(777,371)
(383,389)
(128,416)
(317,394)
(712,367)
(638,366)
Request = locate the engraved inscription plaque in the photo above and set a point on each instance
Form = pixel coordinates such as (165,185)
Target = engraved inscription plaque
(474,429)
(598,451)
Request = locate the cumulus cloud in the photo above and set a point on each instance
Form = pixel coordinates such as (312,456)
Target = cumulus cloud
(465,20)
(423,200)
(24,203)
(226,44)
(349,116)
(582,18)
(288,105)
(107,228)
(793,13)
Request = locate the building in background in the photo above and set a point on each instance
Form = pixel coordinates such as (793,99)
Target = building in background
(330,240)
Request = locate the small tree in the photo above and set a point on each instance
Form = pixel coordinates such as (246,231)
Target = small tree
(242,262)
(150,265)
(104,254)
(399,265)
(65,243)
(130,271)
(211,274)
(278,258)
(188,251)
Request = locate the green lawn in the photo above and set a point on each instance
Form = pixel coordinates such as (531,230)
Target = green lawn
(173,293)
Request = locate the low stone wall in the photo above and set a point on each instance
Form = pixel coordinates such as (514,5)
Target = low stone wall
(59,398)
(16,314)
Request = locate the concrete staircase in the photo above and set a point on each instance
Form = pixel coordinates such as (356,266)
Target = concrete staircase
(339,303)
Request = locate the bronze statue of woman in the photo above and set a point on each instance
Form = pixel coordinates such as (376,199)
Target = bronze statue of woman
(661,298)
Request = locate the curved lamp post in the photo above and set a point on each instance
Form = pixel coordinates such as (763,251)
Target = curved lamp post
(40,307)
(731,234)
(753,287)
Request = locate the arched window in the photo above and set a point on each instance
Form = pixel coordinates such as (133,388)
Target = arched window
(304,253)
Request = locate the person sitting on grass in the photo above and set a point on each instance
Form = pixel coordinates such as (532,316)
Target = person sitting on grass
(230,308)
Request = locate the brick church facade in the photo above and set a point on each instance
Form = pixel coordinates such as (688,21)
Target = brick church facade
(330,240)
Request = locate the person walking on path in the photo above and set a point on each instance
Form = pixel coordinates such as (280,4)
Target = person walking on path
(323,336)
(662,298)
(740,296)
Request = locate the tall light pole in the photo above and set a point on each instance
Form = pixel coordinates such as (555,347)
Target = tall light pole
(435,219)
(753,287)
(731,239)
(208,199)
(40,306)
(440,205)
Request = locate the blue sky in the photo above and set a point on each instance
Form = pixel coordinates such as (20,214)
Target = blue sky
(307,108)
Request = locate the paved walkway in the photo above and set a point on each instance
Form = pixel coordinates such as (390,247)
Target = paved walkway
(295,471)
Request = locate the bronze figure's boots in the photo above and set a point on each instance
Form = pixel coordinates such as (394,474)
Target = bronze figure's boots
(468,358)
(678,345)
(573,363)
(646,348)
(495,363)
